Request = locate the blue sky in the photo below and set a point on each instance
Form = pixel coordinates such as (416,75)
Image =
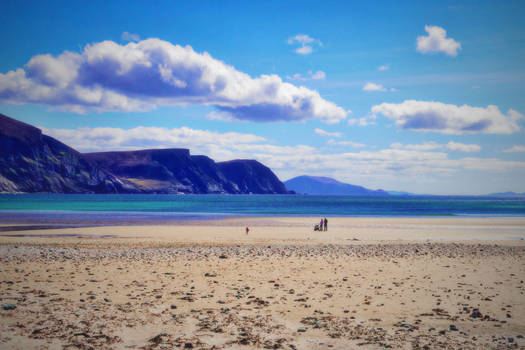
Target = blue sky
(426,97)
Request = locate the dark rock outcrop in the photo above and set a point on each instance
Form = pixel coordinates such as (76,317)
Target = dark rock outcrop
(176,171)
(327,186)
(250,176)
(164,171)
(33,162)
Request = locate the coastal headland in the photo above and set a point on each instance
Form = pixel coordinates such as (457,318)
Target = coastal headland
(368,283)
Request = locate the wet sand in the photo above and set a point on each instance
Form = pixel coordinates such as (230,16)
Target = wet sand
(369,283)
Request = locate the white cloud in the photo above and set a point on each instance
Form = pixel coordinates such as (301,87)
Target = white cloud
(363,121)
(306,43)
(345,143)
(462,147)
(199,141)
(431,145)
(319,75)
(140,76)
(126,36)
(383,67)
(373,87)
(301,39)
(449,119)
(327,133)
(426,146)
(218,115)
(304,50)
(515,148)
(437,41)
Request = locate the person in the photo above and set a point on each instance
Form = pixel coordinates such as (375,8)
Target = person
(321,225)
(325,224)
(247,230)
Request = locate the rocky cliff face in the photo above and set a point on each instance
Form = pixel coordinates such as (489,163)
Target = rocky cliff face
(165,171)
(250,176)
(176,171)
(33,162)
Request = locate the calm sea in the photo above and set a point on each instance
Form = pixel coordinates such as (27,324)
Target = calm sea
(152,208)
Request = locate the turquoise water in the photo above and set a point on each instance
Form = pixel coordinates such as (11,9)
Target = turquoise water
(107,208)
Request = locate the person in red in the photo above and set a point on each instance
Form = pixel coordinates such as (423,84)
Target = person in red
(247,230)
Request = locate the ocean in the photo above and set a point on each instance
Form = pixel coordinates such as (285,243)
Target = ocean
(106,209)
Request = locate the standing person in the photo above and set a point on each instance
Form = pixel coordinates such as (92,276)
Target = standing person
(247,230)
(321,225)
(325,224)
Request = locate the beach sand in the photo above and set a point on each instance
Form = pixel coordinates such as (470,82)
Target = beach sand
(367,283)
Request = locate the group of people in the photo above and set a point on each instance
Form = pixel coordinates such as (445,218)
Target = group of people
(323,225)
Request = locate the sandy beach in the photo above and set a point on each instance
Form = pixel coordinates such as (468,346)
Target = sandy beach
(369,283)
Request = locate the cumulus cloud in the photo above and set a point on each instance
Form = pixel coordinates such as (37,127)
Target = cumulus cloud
(140,76)
(363,121)
(327,133)
(306,43)
(126,36)
(462,147)
(431,145)
(437,41)
(304,50)
(426,146)
(319,75)
(448,118)
(218,115)
(345,143)
(373,87)
(515,148)
(117,139)
(302,39)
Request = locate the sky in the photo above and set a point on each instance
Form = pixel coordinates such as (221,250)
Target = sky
(424,97)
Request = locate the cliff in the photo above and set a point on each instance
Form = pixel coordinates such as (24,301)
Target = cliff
(33,162)
(250,176)
(176,171)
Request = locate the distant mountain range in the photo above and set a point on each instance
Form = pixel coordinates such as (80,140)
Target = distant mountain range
(32,162)
(319,185)
(507,194)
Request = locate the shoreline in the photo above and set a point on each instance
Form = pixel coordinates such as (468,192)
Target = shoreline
(277,230)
